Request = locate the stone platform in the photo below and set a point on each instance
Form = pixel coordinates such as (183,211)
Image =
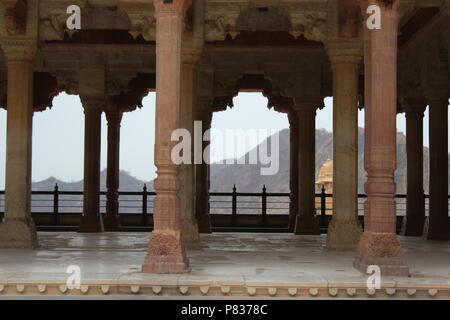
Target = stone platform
(228,265)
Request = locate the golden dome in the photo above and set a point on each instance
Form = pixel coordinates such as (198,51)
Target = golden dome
(326,173)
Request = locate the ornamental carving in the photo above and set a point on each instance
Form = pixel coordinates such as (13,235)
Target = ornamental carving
(143,24)
(15,17)
(67,84)
(311,25)
(129,97)
(53,26)
(381,245)
(220,21)
(164,244)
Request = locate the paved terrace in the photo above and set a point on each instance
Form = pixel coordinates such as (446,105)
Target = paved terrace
(227,265)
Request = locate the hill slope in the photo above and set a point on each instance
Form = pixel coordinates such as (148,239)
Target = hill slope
(248,178)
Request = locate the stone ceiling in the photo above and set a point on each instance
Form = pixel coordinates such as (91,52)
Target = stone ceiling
(285,41)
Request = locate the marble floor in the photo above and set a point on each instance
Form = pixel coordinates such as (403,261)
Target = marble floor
(227,264)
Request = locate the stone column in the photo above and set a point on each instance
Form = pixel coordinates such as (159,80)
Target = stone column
(293,171)
(415,201)
(306,222)
(379,245)
(438,220)
(202,180)
(17,229)
(114,118)
(91,221)
(189,227)
(166,251)
(344,229)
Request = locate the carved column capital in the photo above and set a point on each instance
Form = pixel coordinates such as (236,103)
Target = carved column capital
(413,106)
(19,49)
(293,120)
(113,114)
(302,105)
(93,102)
(345,52)
(437,94)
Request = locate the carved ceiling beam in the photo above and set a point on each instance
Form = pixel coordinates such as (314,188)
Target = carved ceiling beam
(422,24)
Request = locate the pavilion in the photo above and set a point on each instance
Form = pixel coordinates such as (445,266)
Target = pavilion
(197,55)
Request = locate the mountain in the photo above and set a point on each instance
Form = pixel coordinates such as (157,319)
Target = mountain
(247,178)
(127,183)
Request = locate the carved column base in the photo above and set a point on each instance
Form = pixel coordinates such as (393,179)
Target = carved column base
(111,223)
(383,250)
(91,223)
(204,224)
(307,225)
(438,229)
(413,226)
(166,254)
(18,233)
(343,235)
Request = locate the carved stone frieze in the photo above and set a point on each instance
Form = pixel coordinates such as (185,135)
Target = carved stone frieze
(53,26)
(311,25)
(220,21)
(67,83)
(53,19)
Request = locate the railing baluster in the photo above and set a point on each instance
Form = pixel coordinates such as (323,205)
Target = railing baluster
(234,206)
(264,205)
(144,204)
(56,205)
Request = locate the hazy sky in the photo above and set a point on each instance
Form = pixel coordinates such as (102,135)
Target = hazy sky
(58,134)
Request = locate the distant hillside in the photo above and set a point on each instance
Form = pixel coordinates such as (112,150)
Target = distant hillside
(127,183)
(247,178)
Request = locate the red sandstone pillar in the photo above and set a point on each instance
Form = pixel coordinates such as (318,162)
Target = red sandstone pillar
(379,245)
(415,201)
(17,229)
(438,221)
(91,221)
(111,219)
(202,183)
(293,172)
(306,222)
(166,251)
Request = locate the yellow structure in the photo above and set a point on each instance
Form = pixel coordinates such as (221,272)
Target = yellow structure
(325,180)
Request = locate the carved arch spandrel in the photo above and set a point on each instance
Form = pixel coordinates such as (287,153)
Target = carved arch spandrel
(255,83)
